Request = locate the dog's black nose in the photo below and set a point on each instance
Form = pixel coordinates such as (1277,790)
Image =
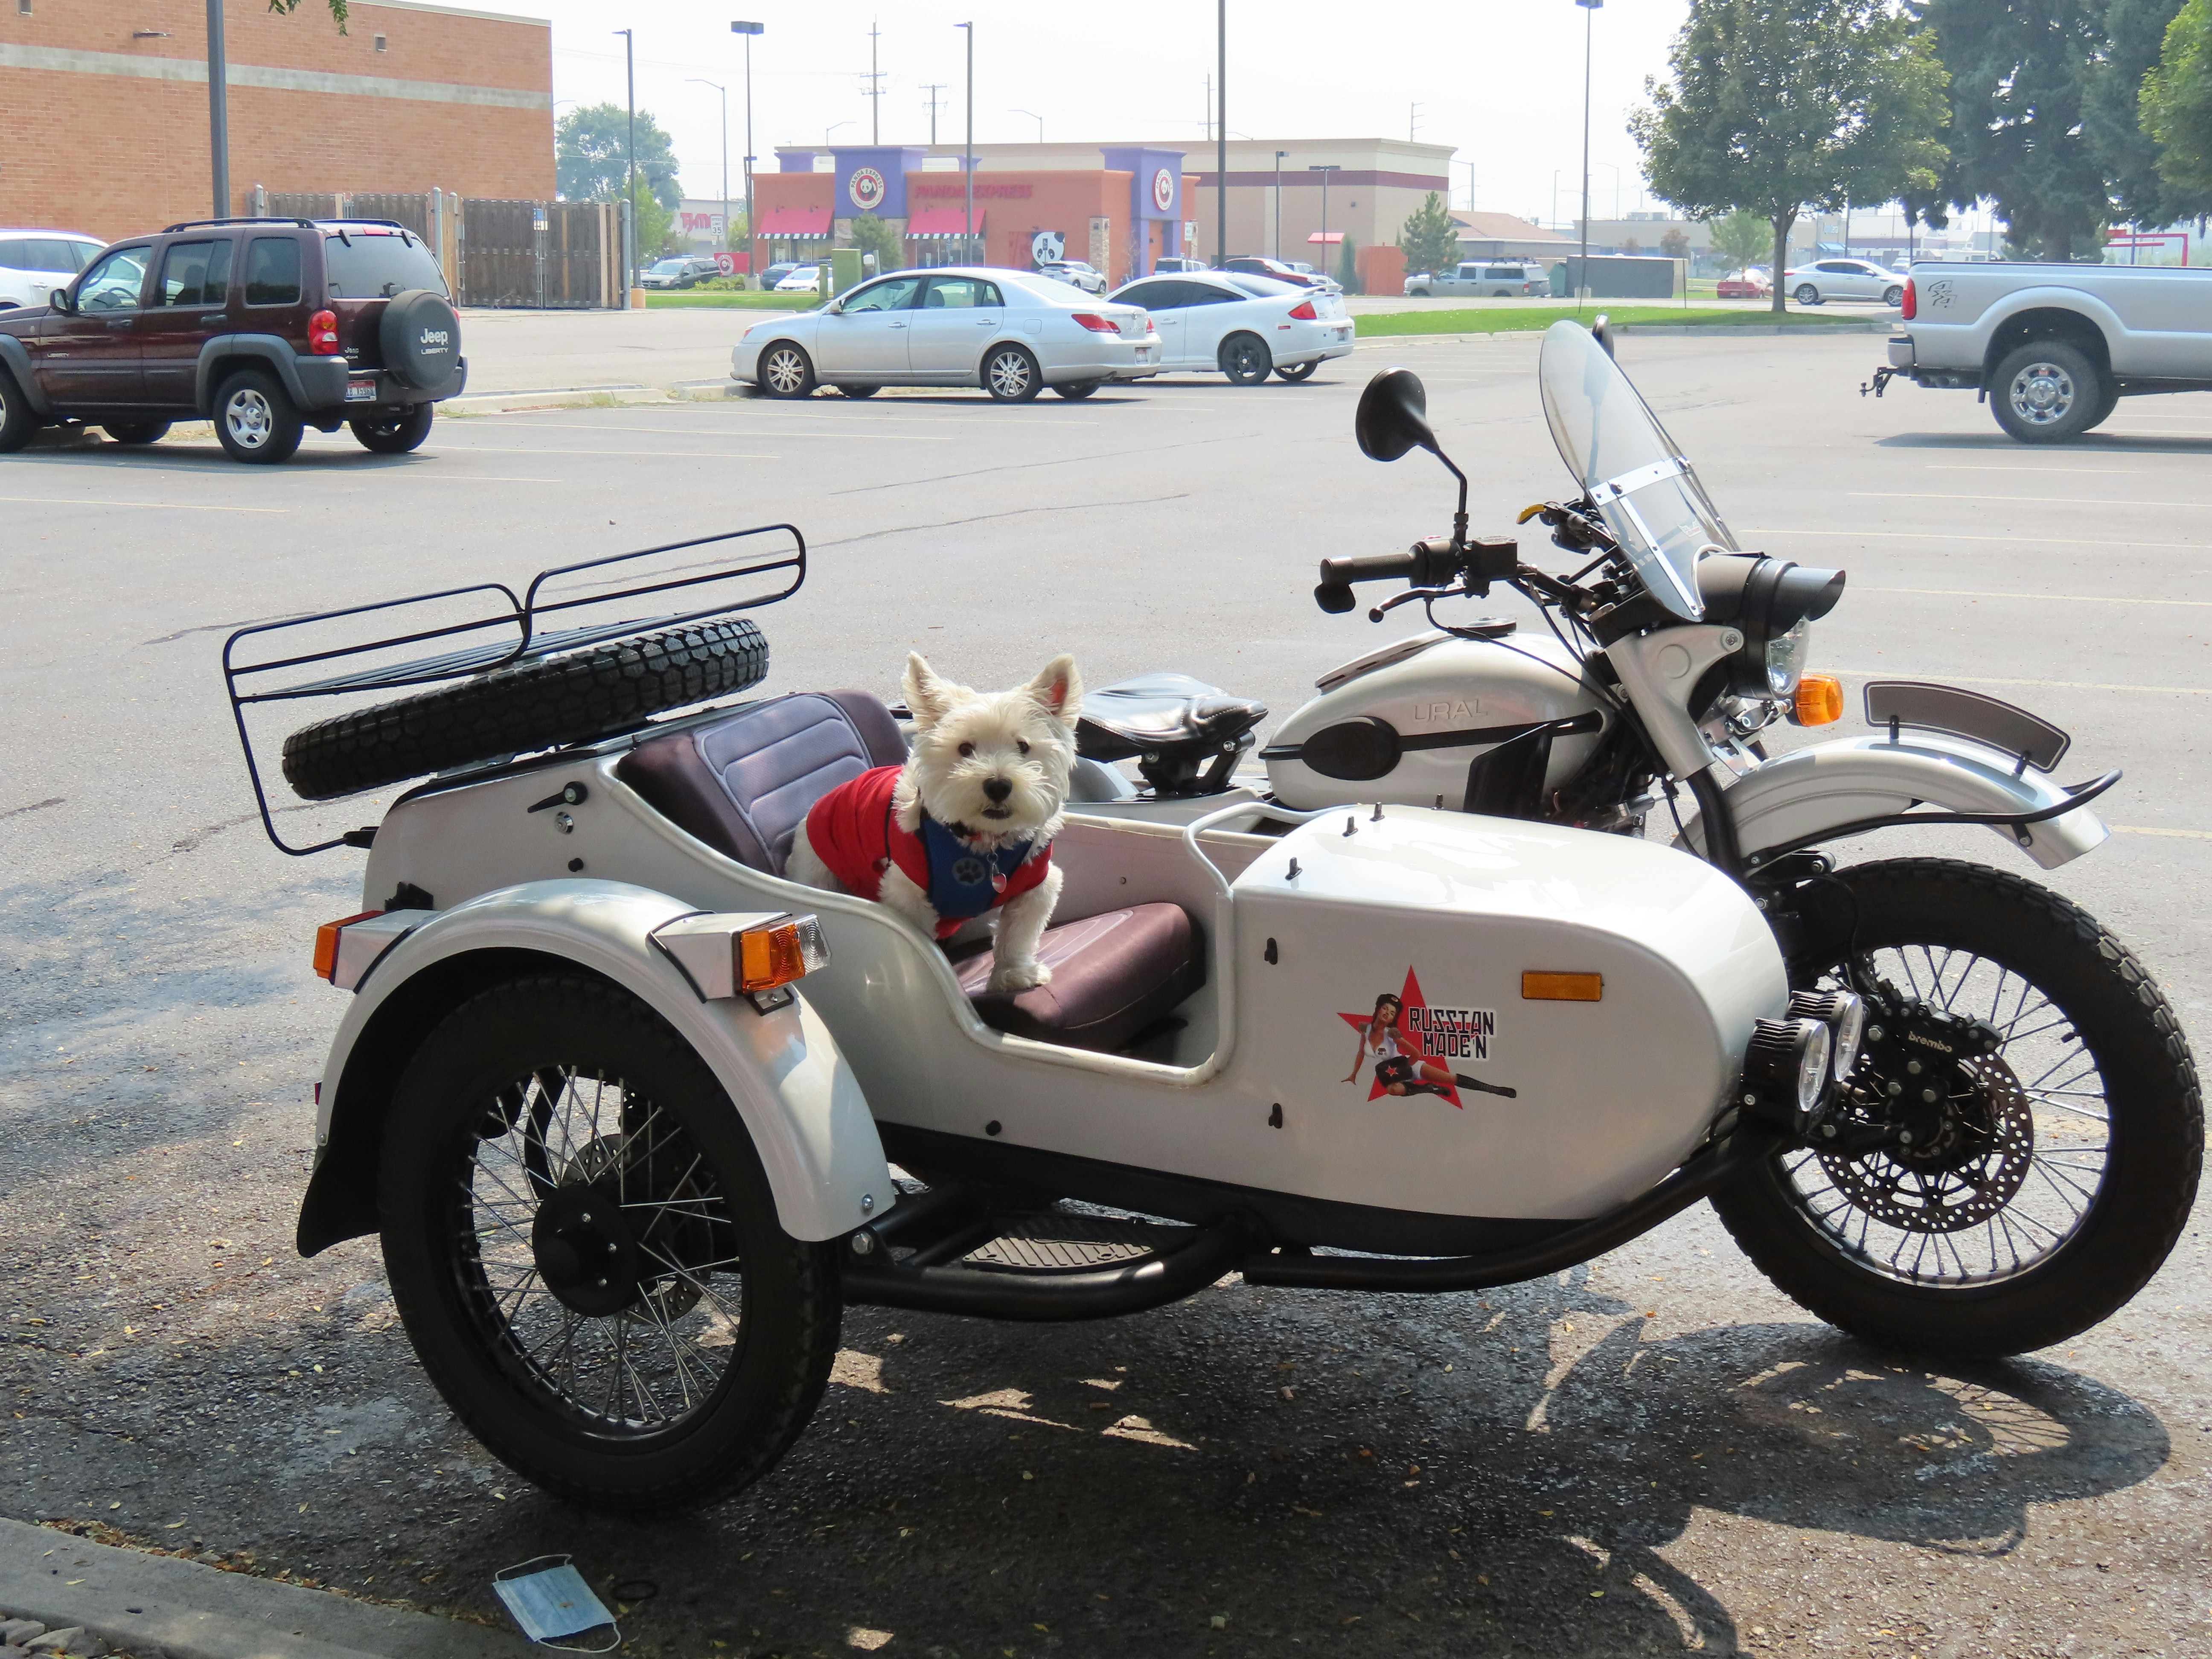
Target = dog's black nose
(997,789)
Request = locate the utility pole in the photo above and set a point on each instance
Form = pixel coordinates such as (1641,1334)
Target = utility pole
(875,87)
(218,109)
(1412,121)
(724,91)
(1279,154)
(752,234)
(1325,168)
(1221,136)
(968,151)
(1590,36)
(629,169)
(932,88)
(1208,123)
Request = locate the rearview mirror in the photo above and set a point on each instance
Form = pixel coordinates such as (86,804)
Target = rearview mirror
(1393,416)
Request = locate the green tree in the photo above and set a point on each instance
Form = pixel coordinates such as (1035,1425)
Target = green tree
(873,235)
(655,225)
(1348,267)
(1776,105)
(1675,243)
(1742,238)
(2135,31)
(588,158)
(338,14)
(1430,241)
(2177,101)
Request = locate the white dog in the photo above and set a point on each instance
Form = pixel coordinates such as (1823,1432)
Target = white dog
(966,825)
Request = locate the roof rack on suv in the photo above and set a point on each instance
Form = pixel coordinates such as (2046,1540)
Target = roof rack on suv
(239,219)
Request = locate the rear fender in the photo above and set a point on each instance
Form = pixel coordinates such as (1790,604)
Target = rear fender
(781,1070)
(1797,796)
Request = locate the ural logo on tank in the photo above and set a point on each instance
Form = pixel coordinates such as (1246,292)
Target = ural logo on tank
(1455,709)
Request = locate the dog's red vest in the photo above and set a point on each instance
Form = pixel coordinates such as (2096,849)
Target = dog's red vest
(854,830)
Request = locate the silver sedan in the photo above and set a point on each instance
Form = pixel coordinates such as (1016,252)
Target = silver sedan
(1012,332)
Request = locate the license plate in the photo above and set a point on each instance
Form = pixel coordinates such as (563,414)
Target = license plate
(361,391)
(1144,354)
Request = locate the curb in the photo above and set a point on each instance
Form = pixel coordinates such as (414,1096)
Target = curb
(137,1603)
(1724,330)
(556,398)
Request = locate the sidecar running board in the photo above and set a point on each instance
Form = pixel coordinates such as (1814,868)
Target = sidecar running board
(1129,1287)
(1699,1178)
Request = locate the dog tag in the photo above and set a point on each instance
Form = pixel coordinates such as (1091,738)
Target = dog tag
(554,1601)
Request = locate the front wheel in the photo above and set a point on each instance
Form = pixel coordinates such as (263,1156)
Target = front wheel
(1297,371)
(1893,295)
(395,434)
(786,371)
(17,420)
(1078,389)
(1807,295)
(2028,1142)
(859,390)
(136,432)
(583,1248)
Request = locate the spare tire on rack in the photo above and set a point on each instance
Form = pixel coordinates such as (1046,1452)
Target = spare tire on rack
(420,336)
(536,703)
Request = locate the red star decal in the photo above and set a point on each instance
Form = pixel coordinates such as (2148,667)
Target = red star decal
(1409,998)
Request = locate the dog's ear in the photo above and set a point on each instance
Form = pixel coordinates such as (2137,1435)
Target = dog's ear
(927,694)
(1060,689)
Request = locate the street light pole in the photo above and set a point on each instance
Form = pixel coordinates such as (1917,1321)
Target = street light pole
(724,91)
(1590,39)
(968,150)
(1221,136)
(1324,168)
(218,109)
(1279,154)
(1039,119)
(629,170)
(752,237)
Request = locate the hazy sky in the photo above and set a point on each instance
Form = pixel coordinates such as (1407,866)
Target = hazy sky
(1503,82)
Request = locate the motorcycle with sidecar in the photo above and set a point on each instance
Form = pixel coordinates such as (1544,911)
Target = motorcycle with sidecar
(635,1117)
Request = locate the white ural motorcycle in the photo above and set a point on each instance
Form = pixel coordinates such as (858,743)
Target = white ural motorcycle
(635,1116)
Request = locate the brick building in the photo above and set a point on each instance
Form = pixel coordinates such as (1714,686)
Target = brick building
(104,107)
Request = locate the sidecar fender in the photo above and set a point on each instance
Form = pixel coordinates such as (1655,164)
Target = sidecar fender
(1827,786)
(782,1069)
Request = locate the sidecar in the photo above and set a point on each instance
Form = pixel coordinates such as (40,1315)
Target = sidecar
(633,1113)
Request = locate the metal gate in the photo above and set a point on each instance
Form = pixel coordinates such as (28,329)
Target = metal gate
(560,255)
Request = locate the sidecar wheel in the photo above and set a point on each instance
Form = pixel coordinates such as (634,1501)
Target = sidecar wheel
(2051,1187)
(584,1248)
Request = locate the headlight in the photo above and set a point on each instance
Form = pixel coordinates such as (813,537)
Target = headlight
(1771,601)
(1844,1014)
(1785,658)
(1788,1062)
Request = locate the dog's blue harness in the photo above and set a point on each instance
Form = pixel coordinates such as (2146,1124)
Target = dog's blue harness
(965,883)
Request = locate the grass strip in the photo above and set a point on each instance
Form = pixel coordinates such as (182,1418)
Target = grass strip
(1515,319)
(746,301)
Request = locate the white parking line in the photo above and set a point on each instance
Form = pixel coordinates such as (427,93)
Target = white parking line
(1953,467)
(2054,685)
(654,454)
(2148,829)
(698,431)
(2015,501)
(2052,598)
(165,507)
(2010,541)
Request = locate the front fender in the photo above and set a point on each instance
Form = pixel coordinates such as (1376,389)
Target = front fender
(1821,788)
(17,359)
(783,1070)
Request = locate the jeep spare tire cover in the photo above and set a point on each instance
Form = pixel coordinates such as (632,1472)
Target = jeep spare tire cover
(420,338)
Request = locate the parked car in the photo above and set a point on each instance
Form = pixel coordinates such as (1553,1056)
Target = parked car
(1244,327)
(1175,262)
(679,272)
(798,279)
(1484,279)
(1076,274)
(775,273)
(1253,265)
(1843,279)
(1749,283)
(1012,332)
(2053,347)
(264,327)
(34,262)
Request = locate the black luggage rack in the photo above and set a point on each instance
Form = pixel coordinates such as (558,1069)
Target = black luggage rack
(520,618)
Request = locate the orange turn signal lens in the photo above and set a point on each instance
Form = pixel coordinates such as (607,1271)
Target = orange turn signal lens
(779,953)
(1820,701)
(1562,987)
(326,942)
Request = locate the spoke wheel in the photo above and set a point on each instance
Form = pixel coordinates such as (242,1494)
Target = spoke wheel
(2015,1191)
(582,1243)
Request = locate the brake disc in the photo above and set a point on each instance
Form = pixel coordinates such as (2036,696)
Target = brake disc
(1962,1170)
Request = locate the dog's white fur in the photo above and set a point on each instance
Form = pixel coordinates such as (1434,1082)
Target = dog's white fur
(966,743)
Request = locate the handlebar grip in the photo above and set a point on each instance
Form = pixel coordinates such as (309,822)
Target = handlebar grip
(1368,567)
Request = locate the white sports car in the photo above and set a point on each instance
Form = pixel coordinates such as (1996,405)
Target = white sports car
(1243,325)
(1012,332)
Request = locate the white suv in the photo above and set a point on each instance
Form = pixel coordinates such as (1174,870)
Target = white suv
(34,262)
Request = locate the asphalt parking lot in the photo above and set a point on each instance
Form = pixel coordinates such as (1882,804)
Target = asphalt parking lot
(1652,1454)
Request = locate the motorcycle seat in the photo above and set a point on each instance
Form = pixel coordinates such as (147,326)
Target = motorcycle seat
(1156,713)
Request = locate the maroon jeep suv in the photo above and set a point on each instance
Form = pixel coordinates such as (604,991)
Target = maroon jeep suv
(264,327)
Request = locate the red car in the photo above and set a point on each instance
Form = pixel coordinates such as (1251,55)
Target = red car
(1749,283)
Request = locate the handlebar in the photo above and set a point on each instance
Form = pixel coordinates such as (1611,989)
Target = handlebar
(1434,561)
(1371,568)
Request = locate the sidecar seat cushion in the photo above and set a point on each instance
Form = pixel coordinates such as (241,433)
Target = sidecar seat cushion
(1112,975)
(742,782)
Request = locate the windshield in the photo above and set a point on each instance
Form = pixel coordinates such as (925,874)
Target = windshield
(670,265)
(1644,487)
(375,265)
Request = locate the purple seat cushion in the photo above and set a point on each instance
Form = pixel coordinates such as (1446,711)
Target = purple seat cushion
(1112,975)
(742,783)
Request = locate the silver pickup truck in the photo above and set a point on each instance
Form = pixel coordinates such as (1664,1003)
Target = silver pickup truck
(1483,279)
(2053,347)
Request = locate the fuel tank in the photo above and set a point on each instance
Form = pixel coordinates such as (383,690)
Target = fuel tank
(1409,724)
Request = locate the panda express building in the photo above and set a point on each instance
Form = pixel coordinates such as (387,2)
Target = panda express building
(1122,218)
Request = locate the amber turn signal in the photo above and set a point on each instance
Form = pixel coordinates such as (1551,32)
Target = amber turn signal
(1820,701)
(1562,987)
(779,953)
(326,942)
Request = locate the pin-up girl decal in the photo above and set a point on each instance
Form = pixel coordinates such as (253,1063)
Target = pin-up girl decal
(1401,1066)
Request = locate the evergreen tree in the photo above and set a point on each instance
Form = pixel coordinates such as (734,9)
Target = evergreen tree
(1348,267)
(871,235)
(1430,241)
(1776,105)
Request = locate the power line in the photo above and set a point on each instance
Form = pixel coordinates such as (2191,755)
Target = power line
(935,103)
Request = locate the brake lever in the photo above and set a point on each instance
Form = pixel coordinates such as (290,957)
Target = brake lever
(1391,603)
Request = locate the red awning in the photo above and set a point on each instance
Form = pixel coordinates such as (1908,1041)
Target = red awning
(943,222)
(1326,236)
(793,222)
